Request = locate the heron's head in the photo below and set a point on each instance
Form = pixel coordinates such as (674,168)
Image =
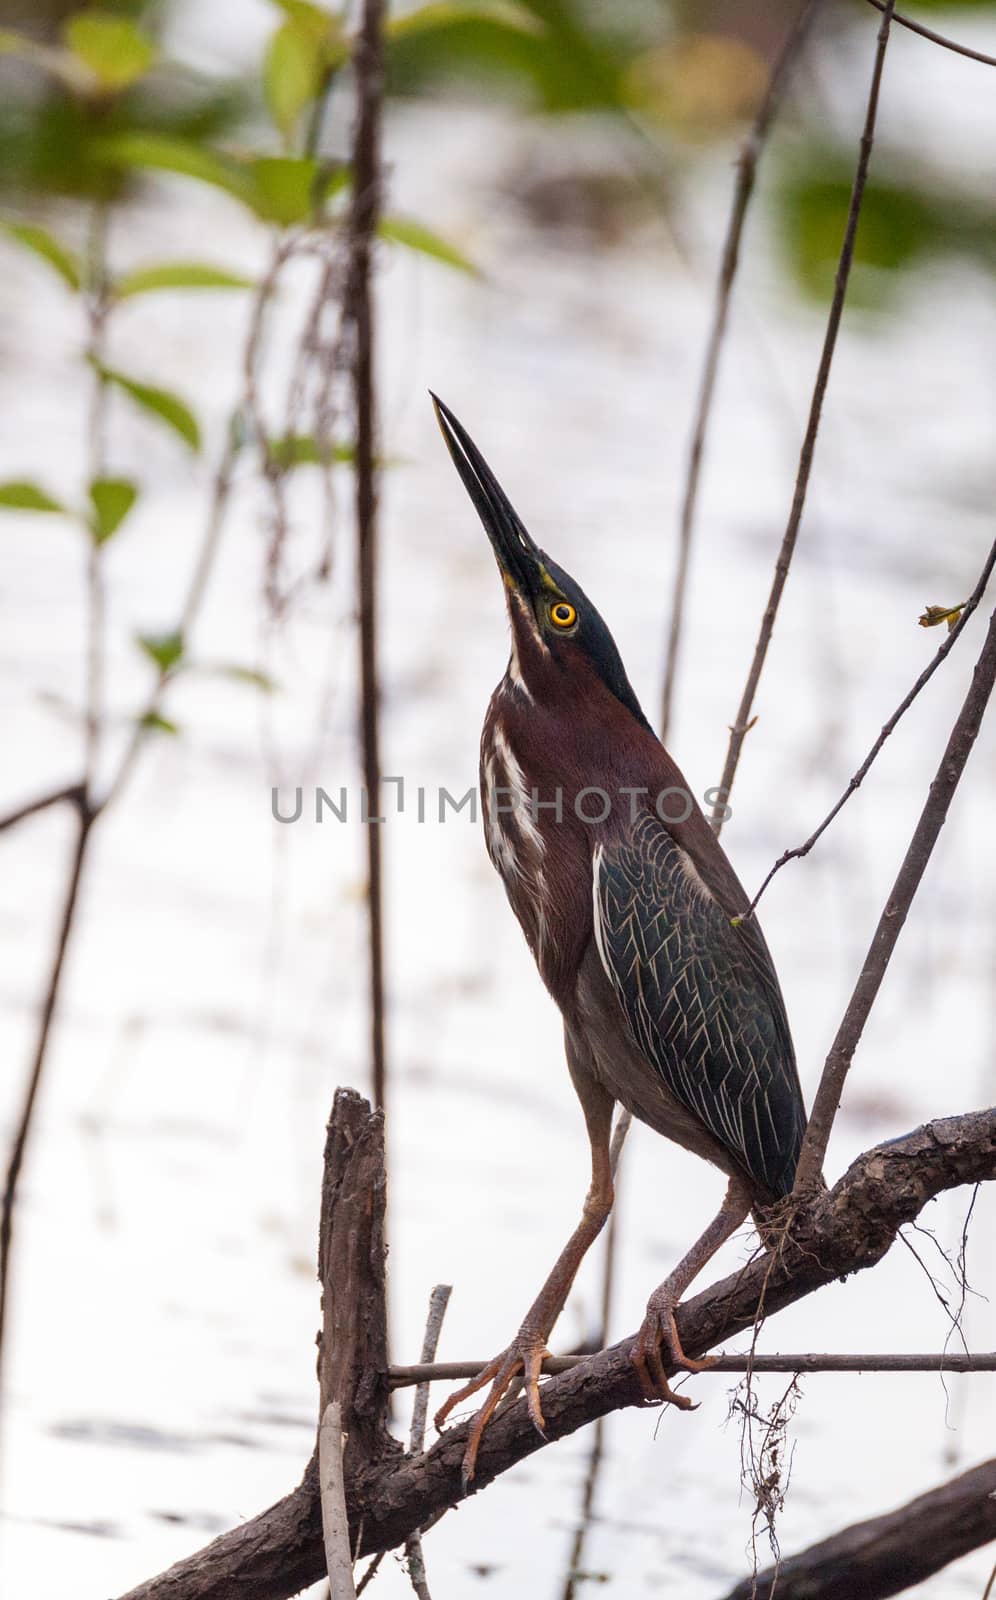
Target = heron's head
(558,637)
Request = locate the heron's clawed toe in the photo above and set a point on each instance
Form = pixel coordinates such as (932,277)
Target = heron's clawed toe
(658,1347)
(525,1355)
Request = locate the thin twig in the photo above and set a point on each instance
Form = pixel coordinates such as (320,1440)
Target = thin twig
(72,792)
(743,718)
(937,38)
(368,68)
(887,728)
(925,835)
(450,1371)
(747,163)
(15,1160)
(438,1301)
(335,1522)
(97,311)
(597,1453)
(371,1573)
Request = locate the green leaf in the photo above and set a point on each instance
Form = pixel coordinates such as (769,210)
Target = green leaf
(183,156)
(116,52)
(111,499)
(279,189)
(155,722)
(325,30)
(286,188)
(165,649)
(18,495)
(45,245)
(301,449)
(161,403)
(292,74)
(414,236)
(314,19)
(247,675)
(179,275)
(444,14)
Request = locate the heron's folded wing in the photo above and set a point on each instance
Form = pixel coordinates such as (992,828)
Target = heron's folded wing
(701,999)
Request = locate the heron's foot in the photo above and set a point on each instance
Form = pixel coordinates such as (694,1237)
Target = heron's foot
(658,1346)
(524,1355)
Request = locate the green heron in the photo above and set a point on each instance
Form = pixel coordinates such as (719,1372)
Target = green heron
(636,921)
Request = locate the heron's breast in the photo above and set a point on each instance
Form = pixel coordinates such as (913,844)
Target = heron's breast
(512,832)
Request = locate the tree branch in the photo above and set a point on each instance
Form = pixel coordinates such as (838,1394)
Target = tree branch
(889,1554)
(841,1231)
(747,163)
(894,914)
(798,1361)
(74,793)
(335,1522)
(368,69)
(937,38)
(50,1000)
(855,783)
(742,722)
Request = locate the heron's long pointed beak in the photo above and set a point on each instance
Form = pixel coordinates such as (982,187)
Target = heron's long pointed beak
(517,554)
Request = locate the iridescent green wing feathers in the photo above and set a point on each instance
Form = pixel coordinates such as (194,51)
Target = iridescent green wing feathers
(701,999)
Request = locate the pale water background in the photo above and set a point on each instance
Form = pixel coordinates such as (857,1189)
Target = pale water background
(161,1373)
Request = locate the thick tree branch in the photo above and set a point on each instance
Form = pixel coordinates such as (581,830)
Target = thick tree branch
(889,1554)
(894,914)
(738,732)
(358,320)
(842,1231)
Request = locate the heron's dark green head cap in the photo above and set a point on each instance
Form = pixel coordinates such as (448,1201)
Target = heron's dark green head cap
(548,609)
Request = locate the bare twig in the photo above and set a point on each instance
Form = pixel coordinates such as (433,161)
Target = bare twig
(888,1554)
(887,728)
(747,163)
(936,38)
(890,924)
(15,1160)
(271,470)
(74,793)
(438,1301)
(575,1560)
(802,1362)
(368,69)
(335,1523)
(207,552)
(98,306)
(97,309)
(371,1572)
(743,718)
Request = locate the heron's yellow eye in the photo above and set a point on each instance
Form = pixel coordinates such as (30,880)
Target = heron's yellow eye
(563,615)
